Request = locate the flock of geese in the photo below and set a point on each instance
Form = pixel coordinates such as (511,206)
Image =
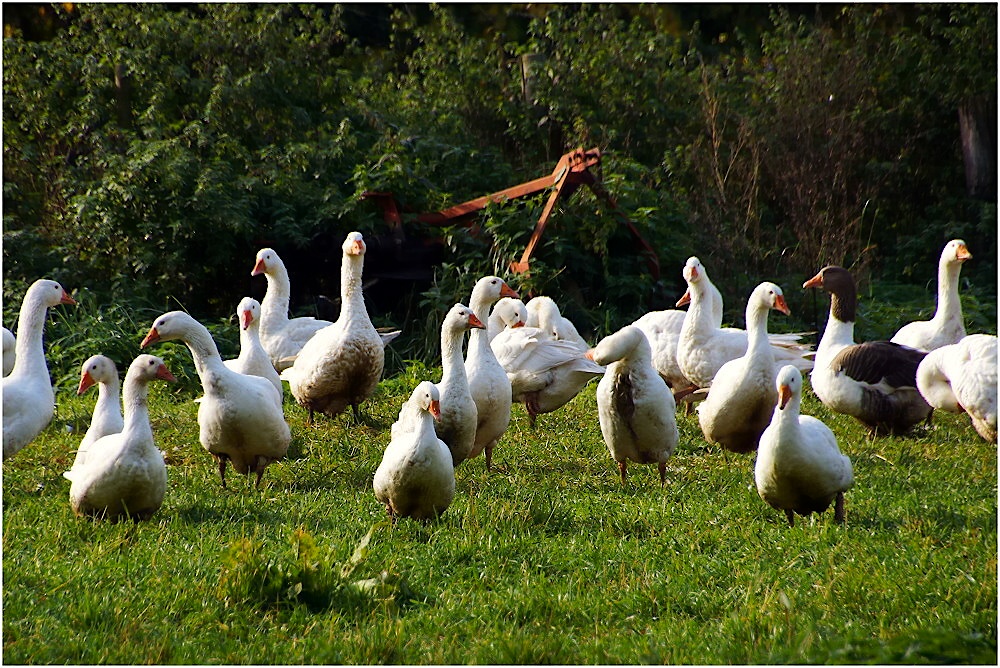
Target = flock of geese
(748,382)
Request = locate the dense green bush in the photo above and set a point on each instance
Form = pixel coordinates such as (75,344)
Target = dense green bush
(151,150)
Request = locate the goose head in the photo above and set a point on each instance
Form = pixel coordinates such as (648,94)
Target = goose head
(461,317)
(49,293)
(97,369)
(248,312)
(427,398)
(618,346)
(789,383)
(769,295)
(169,327)
(956,251)
(490,289)
(354,244)
(149,367)
(267,262)
(513,313)
(843,292)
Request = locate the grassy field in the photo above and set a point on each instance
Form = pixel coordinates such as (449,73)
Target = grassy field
(545,559)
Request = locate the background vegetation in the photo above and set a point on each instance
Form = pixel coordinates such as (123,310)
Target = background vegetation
(151,150)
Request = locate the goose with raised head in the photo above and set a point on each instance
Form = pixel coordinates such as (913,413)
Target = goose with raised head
(545,374)
(739,406)
(283,337)
(703,347)
(456,425)
(634,406)
(28,398)
(488,381)
(124,474)
(663,331)
(947,326)
(253,359)
(9,344)
(962,377)
(341,365)
(799,467)
(240,419)
(875,381)
(416,477)
(107,419)
(543,312)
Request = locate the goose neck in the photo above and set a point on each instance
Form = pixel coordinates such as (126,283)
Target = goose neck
(274,306)
(948,302)
(30,330)
(756,318)
(352,300)
(135,406)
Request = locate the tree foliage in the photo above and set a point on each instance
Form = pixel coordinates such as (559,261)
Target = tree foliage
(150,150)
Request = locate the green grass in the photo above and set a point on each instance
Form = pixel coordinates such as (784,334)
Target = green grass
(545,559)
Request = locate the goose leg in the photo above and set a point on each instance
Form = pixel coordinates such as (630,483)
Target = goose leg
(791,517)
(531,404)
(621,468)
(662,466)
(839,514)
(357,413)
(488,453)
(222,469)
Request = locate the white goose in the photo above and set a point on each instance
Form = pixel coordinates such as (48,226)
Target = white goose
(341,365)
(946,327)
(704,347)
(107,419)
(124,474)
(459,417)
(416,477)
(634,405)
(253,359)
(506,310)
(488,381)
(239,418)
(962,377)
(283,337)
(739,406)
(544,313)
(663,330)
(9,344)
(28,399)
(544,373)
(799,468)
(875,381)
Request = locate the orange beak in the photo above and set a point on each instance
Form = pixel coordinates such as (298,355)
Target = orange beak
(86,380)
(519,323)
(475,323)
(779,304)
(963,254)
(507,291)
(784,396)
(163,373)
(246,318)
(66,299)
(258,268)
(814,282)
(435,409)
(356,248)
(685,299)
(152,337)
(589,354)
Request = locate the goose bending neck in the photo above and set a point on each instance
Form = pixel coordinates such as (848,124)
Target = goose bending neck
(202,346)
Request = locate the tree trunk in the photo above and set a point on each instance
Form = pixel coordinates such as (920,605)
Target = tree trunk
(977,120)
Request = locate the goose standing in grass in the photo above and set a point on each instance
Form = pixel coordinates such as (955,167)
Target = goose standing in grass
(947,326)
(544,373)
(341,365)
(124,474)
(663,330)
(28,398)
(253,359)
(101,371)
(634,405)
(456,425)
(416,477)
(875,381)
(488,381)
(544,313)
(703,347)
(739,407)
(240,418)
(962,377)
(799,467)
(9,344)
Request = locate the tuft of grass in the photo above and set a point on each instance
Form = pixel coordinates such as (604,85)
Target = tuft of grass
(547,558)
